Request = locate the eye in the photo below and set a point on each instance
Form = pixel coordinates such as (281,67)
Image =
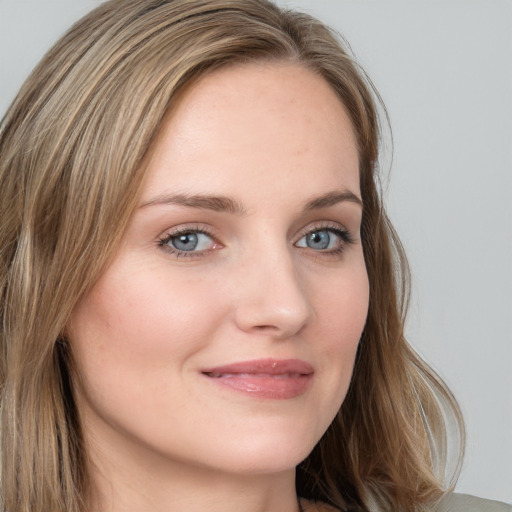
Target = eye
(328,239)
(187,242)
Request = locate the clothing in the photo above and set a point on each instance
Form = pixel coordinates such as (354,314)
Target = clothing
(466,503)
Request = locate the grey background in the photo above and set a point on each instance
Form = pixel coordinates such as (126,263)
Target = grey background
(444,70)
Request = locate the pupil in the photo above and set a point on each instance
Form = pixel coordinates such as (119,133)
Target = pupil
(319,240)
(185,242)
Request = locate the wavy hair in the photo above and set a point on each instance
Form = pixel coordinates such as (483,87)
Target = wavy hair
(72,149)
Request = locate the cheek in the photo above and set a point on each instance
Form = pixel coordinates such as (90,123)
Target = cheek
(134,328)
(341,319)
(344,307)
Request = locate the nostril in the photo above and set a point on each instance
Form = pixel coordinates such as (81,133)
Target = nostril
(265,327)
(279,308)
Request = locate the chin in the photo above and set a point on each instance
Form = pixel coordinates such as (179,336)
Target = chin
(263,451)
(260,462)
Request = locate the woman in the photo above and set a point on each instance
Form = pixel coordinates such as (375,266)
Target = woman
(202,297)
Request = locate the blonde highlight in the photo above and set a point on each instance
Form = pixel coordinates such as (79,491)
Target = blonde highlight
(72,146)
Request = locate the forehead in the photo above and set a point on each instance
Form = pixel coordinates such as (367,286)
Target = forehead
(254,122)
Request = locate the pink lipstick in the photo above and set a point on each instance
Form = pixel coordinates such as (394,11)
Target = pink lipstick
(277,379)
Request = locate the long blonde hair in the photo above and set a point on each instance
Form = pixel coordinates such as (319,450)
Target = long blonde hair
(71,153)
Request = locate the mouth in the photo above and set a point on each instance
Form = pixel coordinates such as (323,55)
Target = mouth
(264,378)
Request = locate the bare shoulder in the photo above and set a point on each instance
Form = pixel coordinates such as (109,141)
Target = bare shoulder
(466,503)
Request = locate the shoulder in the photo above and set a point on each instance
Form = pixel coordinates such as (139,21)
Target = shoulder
(465,503)
(450,503)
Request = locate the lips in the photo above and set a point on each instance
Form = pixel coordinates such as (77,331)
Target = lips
(264,378)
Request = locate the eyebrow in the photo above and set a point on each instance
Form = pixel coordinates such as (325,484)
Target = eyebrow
(200,201)
(230,205)
(332,198)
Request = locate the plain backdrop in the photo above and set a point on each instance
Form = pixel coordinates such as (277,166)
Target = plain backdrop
(443,68)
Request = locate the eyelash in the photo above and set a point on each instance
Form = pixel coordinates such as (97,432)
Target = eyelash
(346,239)
(163,241)
(344,235)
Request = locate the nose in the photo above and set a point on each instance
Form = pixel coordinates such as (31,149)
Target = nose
(271,297)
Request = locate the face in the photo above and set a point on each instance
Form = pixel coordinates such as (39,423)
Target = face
(224,332)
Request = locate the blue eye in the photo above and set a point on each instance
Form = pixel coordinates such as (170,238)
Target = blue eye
(318,240)
(325,239)
(188,241)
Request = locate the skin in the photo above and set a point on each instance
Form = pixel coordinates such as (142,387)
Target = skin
(160,434)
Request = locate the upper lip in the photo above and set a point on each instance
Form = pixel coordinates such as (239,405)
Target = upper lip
(263,366)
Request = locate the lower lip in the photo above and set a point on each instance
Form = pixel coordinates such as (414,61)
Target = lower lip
(276,387)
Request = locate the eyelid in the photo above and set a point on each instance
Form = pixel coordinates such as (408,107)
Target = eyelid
(345,235)
(326,225)
(198,228)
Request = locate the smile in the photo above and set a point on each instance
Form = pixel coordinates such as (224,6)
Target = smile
(264,378)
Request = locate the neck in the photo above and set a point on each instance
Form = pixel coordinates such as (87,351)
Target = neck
(199,493)
(174,486)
